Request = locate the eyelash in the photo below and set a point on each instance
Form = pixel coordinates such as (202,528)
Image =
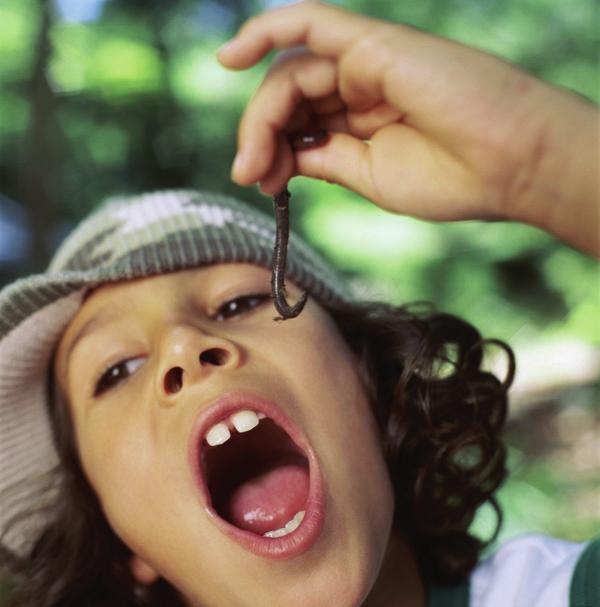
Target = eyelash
(108,380)
(252,301)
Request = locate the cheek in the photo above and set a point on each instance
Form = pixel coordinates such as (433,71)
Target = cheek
(324,367)
(327,376)
(117,457)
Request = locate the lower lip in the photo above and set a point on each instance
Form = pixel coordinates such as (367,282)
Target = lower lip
(306,535)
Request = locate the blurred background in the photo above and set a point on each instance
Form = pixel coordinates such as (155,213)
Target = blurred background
(99,97)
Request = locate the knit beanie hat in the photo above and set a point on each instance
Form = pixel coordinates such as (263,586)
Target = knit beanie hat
(127,238)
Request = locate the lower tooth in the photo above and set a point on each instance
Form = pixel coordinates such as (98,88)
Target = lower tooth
(295,522)
(290,526)
(276,533)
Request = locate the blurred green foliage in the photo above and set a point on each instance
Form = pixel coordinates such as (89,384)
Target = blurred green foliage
(129,97)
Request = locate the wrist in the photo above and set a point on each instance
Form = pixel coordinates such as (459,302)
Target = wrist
(557,187)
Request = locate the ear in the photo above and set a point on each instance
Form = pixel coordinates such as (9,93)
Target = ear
(142,572)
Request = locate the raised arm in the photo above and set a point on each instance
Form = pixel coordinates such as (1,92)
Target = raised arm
(419,125)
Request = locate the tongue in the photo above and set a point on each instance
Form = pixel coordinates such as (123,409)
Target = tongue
(268,501)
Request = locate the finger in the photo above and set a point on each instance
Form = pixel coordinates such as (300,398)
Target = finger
(324,29)
(311,110)
(333,123)
(273,105)
(282,168)
(328,114)
(344,160)
(362,125)
(365,124)
(303,120)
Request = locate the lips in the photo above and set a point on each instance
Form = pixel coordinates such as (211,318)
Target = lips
(214,490)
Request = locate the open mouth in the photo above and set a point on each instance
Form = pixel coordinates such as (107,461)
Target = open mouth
(259,477)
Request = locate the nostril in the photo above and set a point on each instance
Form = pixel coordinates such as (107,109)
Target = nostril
(214,356)
(174,380)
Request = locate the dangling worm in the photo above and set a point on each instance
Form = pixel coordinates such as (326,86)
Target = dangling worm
(298,141)
(282,219)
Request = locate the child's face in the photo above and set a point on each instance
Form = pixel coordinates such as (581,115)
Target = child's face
(134,432)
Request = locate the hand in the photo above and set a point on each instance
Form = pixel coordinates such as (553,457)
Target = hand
(418,124)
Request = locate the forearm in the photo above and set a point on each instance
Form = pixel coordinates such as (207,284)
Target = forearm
(560,189)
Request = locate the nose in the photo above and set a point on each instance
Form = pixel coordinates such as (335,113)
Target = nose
(189,355)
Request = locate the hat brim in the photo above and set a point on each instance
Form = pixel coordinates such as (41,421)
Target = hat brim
(27,452)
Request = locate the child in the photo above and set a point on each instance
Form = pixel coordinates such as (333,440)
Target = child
(165,442)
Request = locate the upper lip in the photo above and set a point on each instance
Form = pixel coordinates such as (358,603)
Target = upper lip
(224,406)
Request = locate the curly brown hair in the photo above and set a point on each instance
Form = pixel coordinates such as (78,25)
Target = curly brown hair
(440,415)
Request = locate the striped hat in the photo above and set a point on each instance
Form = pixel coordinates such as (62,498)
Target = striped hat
(127,238)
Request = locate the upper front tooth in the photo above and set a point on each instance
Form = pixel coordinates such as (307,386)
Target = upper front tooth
(244,420)
(218,434)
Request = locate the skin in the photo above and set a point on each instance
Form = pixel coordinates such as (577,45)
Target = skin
(132,439)
(419,125)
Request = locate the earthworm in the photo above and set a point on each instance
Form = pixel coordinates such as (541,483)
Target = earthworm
(300,140)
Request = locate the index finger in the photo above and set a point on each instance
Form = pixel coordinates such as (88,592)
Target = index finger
(326,30)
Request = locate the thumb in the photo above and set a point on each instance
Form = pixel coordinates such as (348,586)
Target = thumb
(344,160)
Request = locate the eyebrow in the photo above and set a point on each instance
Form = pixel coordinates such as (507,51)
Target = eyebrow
(92,325)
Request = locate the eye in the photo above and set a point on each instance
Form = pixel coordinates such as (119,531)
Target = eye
(241,305)
(115,374)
